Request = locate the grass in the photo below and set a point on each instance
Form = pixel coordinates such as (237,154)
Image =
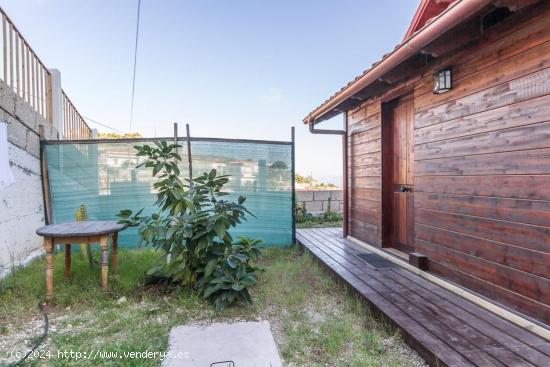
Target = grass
(330,220)
(315,321)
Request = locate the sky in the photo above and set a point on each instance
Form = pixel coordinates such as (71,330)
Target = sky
(231,69)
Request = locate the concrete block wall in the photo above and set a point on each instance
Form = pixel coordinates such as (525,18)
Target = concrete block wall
(21,204)
(316,202)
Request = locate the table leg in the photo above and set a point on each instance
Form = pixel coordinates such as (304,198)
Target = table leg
(115,253)
(104,261)
(48,247)
(67,261)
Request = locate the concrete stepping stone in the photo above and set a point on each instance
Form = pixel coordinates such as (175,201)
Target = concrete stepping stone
(238,344)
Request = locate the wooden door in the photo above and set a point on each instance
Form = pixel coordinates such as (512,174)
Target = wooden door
(401,177)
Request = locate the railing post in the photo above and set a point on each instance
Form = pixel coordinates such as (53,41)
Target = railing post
(56,102)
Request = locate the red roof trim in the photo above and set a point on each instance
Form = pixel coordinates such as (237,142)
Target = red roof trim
(413,27)
(428,9)
(455,13)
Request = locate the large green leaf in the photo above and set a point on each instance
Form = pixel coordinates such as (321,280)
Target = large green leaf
(210,267)
(238,287)
(220,229)
(211,290)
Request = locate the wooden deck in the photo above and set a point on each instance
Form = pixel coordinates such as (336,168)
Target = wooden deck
(443,327)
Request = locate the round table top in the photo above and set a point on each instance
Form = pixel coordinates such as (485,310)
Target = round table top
(80,229)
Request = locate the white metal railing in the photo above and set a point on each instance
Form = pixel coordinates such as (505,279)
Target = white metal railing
(24,72)
(74,125)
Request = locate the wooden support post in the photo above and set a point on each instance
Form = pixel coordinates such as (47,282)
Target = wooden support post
(345,184)
(104,261)
(115,253)
(67,271)
(48,247)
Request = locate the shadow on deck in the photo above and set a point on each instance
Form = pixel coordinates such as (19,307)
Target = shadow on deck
(442,327)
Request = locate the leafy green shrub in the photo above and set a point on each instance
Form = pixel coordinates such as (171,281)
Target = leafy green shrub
(332,216)
(192,226)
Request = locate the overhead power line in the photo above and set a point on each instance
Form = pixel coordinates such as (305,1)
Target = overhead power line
(99,123)
(135,63)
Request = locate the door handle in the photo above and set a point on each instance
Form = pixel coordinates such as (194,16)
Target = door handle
(404,189)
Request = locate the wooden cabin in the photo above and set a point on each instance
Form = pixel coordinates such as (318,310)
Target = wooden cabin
(447,149)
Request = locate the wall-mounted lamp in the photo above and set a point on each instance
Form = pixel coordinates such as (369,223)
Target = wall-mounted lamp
(443,80)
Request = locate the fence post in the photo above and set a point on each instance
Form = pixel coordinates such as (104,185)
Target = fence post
(56,102)
(293,178)
(189,157)
(46,192)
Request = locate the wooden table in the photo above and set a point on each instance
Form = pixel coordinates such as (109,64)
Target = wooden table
(80,232)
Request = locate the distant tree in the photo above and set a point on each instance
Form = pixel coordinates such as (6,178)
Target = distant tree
(119,136)
(279,165)
(304,180)
(312,183)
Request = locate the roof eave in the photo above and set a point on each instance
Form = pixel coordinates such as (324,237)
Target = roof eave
(454,15)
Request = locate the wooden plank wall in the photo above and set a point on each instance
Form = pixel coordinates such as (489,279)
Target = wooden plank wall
(482,166)
(365,173)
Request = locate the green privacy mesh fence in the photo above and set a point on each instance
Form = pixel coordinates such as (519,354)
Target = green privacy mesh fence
(102,175)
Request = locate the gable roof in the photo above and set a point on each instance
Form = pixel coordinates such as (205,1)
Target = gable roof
(427,10)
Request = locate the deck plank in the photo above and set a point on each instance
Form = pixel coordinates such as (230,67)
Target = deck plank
(443,327)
